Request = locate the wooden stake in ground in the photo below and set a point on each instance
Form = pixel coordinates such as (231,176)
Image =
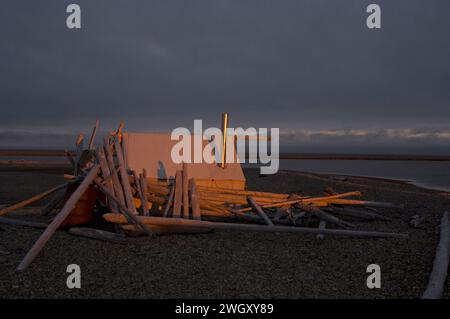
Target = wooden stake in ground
(178,194)
(185,192)
(169,201)
(259,210)
(139,191)
(435,286)
(94,133)
(79,150)
(106,174)
(124,177)
(143,181)
(118,191)
(57,221)
(30,200)
(195,204)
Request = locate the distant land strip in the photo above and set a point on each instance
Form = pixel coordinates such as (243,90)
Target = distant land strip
(372,157)
(290,156)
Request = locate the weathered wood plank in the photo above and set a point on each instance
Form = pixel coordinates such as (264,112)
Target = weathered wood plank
(143,181)
(185,191)
(169,201)
(178,198)
(195,204)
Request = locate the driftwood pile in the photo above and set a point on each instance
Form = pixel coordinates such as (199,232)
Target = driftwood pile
(138,205)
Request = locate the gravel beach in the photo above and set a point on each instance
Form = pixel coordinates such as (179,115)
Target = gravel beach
(229,264)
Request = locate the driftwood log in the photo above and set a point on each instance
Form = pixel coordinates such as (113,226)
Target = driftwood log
(128,213)
(97,234)
(436,283)
(57,221)
(161,221)
(306,200)
(118,192)
(30,200)
(178,197)
(195,204)
(124,177)
(259,210)
(185,185)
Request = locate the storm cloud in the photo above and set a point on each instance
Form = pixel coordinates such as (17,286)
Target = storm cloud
(298,65)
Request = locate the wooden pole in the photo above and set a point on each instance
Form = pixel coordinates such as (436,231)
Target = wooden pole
(97,234)
(124,177)
(79,151)
(127,212)
(324,216)
(259,210)
(119,219)
(221,190)
(354,212)
(169,201)
(237,199)
(57,221)
(224,139)
(340,201)
(185,191)
(306,200)
(94,133)
(112,169)
(436,283)
(106,174)
(178,194)
(139,191)
(30,200)
(143,181)
(196,214)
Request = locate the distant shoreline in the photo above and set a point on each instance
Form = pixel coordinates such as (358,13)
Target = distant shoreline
(364,157)
(285,156)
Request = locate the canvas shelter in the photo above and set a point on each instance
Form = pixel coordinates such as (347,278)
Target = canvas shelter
(152,151)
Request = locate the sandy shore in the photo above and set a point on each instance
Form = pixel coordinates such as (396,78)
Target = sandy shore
(229,264)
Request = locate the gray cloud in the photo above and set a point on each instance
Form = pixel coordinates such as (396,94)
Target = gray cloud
(293,64)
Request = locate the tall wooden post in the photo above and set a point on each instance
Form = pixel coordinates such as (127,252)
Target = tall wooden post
(224,139)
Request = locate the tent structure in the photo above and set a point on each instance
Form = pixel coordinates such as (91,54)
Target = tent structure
(152,151)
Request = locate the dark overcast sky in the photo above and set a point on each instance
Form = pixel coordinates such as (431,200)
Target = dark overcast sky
(306,66)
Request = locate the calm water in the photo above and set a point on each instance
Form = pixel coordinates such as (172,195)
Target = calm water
(428,174)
